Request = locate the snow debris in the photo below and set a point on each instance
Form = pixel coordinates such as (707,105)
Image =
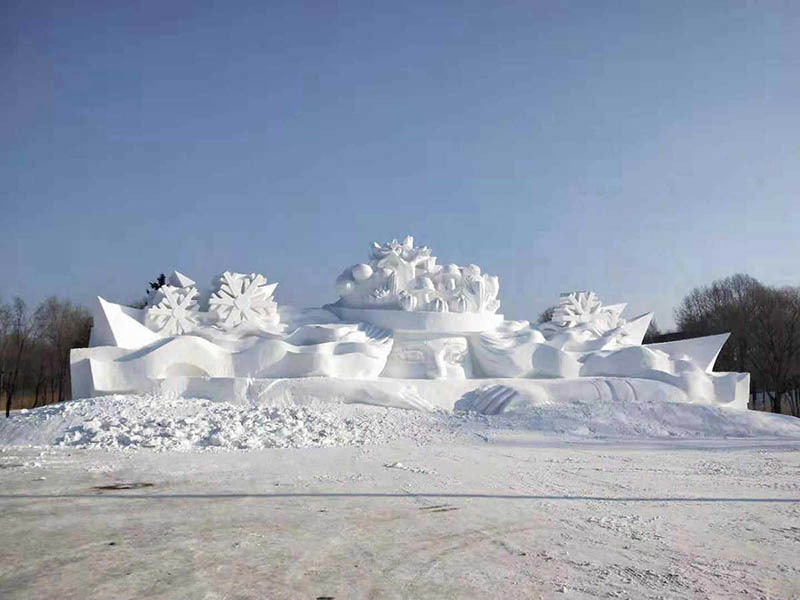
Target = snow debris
(163,422)
(402,467)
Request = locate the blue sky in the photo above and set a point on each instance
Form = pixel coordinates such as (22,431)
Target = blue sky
(636,149)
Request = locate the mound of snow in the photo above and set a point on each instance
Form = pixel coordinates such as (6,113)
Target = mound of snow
(162,423)
(646,416)
(489,413)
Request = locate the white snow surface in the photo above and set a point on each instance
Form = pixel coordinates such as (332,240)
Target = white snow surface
(190,424)
(168,423)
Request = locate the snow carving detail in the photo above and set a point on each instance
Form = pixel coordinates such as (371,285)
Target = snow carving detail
(174,310)
(585,310)
(401,276)
(576,308)
(245,299)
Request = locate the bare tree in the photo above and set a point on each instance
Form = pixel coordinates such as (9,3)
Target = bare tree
(775,344)
(5,341)
(152,288)
(18,336)
(725,306)
(34,349)
(59,327)
(764,323)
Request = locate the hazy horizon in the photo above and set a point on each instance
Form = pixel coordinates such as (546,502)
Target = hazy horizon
(636,150)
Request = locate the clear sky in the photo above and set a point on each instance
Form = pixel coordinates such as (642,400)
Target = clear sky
(637,149)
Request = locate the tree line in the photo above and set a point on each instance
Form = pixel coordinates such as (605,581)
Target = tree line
(34,350)
(35,347)
(764,323)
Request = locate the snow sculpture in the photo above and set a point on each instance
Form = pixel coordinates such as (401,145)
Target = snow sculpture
(352,351)
(174,311)
(405,331)
(432,309)
(245,299)
(429,357)
(402,276)
(118,326)
(585,308)
(580,322)
(178,279)
(515,349)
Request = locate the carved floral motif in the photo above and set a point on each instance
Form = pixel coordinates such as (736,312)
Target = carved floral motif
(584,310)
(401,276)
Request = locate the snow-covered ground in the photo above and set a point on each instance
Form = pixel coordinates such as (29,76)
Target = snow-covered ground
(174,423)
(157,497)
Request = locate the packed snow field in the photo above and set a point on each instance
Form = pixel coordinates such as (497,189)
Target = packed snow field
(165,497)
(173,423)
(517,517)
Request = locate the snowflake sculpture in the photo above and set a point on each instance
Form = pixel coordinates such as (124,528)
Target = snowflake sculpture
(585,309)
(243,299)
(576,308)
(174,311)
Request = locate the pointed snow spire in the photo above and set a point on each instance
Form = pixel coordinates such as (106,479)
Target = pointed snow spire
(179,280)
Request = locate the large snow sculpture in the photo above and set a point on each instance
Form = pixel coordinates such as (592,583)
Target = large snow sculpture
(405,331)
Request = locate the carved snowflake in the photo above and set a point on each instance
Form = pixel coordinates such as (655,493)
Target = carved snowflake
(585,309)
(577,308)
(175,310)
(245,299)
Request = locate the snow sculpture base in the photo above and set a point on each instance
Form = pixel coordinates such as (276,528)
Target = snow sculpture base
(488,396)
